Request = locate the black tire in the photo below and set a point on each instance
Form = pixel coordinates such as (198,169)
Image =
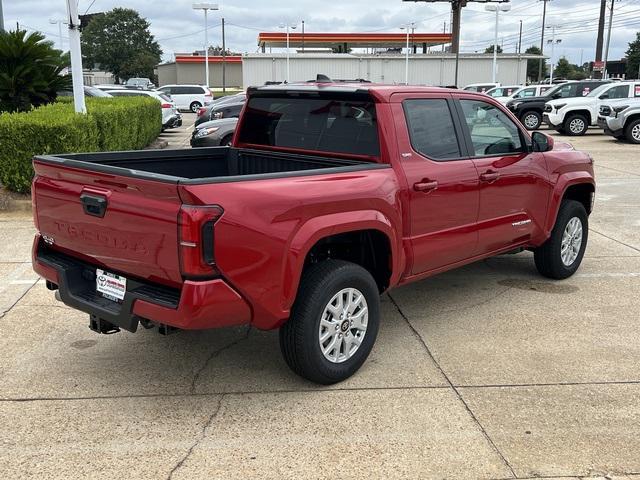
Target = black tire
(576,124)
(195,106)
(548,256)
(226,140)
(561,130)
(531,120)
(299,337)
(632,131)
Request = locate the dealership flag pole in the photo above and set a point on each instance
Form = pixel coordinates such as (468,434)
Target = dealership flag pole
(76,56)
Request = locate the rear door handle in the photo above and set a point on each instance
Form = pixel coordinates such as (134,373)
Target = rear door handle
(425,186)
(489,176)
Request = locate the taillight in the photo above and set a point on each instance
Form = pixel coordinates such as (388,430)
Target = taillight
(167,105)
(33,203)
(201,111)
(196,236)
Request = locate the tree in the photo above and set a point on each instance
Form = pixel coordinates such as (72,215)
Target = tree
(489,49)
(119,41)
(30,71)
(533,65)
(567,70)
(633,58)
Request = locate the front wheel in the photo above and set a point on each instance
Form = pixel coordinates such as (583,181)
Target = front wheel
(195,106)
(576,124)
(531,120)
(632,131)
(560,256)
(334,322)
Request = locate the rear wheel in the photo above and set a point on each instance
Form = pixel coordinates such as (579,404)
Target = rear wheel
(195,106)
(531,120)
(576,124)
(632,132)
(560,256)
(334,322)
(226,140)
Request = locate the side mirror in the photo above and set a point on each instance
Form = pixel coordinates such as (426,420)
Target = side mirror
(604,96)
(541,142)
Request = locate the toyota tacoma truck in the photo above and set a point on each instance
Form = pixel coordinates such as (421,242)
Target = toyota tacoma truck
(329,195)
(573,116)
(621,118)
(530,110)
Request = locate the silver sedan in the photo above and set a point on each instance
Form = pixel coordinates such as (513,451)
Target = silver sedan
(214,133)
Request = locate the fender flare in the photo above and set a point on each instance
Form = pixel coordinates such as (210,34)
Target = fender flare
(563,183)
(323,226)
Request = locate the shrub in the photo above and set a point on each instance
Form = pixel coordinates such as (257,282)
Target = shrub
(110,124)
(30,70)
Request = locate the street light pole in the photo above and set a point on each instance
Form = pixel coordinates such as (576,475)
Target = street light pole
(288,26)
(1,18)
(406,58)
(59,22)
(553,43)
(76,57)
(206,7)
(503,7)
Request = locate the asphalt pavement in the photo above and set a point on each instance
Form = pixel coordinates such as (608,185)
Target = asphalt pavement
(489,371)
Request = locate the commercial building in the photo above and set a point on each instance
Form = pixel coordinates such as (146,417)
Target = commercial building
(428,69)
(189,69)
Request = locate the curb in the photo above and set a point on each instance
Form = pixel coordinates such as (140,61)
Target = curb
(10,205)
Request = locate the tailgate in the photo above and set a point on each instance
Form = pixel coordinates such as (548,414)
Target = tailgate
(126,225)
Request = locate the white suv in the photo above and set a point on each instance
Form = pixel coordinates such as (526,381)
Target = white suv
(573,116)
(188,97)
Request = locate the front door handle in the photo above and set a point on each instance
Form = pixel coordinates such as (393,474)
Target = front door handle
(489,176)
(425,186)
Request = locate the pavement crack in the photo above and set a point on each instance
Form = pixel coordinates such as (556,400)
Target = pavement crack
(591,229)
(8,309)
(203,434)
(453,387)
(214,354)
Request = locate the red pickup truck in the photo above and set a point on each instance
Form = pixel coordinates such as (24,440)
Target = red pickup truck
(330,195)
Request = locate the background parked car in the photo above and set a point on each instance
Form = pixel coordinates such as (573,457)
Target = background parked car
(502,92)
(140,82)
(228,99)
(225,110)
(188,97)
(214,133)
(530,110)
(621,118)
(171,117)
(88,92)
(480,87)
(573,116)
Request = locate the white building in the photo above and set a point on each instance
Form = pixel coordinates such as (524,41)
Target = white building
(424,69)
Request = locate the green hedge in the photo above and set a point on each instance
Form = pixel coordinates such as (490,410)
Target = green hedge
(125,123)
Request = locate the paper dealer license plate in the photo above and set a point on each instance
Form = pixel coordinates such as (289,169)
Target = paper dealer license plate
(110,285)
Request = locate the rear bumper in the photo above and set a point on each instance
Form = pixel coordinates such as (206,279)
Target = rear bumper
(196,306)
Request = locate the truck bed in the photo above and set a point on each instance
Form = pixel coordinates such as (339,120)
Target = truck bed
(206,165)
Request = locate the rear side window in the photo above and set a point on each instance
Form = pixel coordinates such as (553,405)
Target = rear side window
(431,128)
(620,91)
(310,123)
(526,92)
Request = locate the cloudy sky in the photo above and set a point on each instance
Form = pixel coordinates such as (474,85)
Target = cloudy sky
(180,29)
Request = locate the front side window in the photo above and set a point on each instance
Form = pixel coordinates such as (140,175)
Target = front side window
(620,91)
(325,124)
(431,128)
(492,131)
(526,92)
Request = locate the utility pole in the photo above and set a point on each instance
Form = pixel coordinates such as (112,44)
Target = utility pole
(1,18)
(76,57)
(520,39)
(444,30)
(600,39)
(541,62)
(302,36)
(224,60)
(605,74)
(456,6)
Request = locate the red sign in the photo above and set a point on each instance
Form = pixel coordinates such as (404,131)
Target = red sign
(636,92)
(598,66)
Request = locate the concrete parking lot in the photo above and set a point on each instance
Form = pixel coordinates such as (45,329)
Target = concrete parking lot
(489,371)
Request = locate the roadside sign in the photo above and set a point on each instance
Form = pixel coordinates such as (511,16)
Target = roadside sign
(598,66)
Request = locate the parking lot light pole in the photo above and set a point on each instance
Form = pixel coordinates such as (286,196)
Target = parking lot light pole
(59,22)
(206,7)
(502,7)
(553,42)
(408,27)
(288,26)
(76,56)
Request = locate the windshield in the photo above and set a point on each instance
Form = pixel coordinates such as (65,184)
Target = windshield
(597,91)
(96,92)
(502,91)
